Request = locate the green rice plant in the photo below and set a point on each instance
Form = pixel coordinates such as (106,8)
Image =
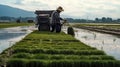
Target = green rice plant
(100,63)
(71,41)
(72,57)
(16,63)
(117,64)
(36,63)
(54,51)
(57,57)
(107,58)
(18,50)
(41,56)
(82,63)
(46,35)
(90,57)
(62,63)
(51,51)
(38,50)
(90,52)
(61,56)
(94,58)
(22,55)
(67,52)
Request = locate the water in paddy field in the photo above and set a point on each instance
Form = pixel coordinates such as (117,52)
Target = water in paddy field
(9,36)
(110,44)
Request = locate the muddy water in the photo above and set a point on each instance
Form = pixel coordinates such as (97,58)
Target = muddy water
(110,44)
(9,36)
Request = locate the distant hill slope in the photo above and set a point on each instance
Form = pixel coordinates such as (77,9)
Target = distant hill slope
(14,12)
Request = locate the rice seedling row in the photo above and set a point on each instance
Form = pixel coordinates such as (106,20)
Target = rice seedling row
(46,49)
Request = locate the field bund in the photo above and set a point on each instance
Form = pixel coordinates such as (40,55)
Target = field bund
(104,28)
(46,49)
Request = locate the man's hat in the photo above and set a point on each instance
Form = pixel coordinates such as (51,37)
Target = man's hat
(60,8)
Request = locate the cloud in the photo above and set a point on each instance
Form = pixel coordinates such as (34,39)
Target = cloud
(74,8)
(19,2)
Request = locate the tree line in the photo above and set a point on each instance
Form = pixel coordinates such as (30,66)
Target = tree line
(17,19)
(96,20)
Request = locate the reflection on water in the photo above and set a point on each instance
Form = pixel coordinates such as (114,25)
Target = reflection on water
(9,36)
(110,44)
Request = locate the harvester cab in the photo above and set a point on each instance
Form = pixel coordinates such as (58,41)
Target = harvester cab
(43,19)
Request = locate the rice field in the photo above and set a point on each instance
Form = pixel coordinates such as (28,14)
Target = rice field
(12,24)
(46,49)
(99,25)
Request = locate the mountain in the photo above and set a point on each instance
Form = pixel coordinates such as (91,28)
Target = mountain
(14,12)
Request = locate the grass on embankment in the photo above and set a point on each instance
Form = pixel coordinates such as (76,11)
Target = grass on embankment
(46,49)
(113,29)
(12,24)
(98,25)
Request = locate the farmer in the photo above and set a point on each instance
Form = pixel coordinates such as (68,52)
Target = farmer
(55,20)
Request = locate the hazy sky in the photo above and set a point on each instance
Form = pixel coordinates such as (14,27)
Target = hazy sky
(73,8)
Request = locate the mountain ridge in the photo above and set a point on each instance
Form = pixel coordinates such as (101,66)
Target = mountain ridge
(6,10)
